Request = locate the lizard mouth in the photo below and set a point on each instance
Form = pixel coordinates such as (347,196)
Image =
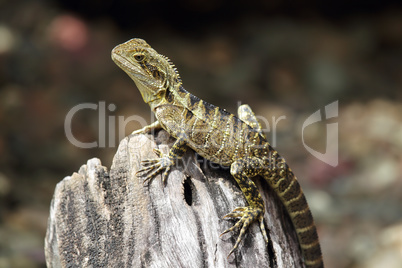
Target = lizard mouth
(133,70)
(130,68)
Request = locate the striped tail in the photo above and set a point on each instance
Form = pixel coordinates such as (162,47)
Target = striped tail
(291,195)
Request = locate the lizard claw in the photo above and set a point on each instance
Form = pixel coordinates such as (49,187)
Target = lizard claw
(158,152)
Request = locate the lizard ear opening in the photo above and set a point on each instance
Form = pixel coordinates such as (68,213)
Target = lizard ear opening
(168,95)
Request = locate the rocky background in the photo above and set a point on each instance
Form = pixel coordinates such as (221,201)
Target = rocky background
(286,60)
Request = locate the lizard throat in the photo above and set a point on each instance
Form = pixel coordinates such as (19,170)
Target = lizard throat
(148,87)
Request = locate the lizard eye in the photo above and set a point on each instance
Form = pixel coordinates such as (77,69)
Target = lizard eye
(139,57)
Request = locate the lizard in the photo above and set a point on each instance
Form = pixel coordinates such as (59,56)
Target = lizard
(219,136)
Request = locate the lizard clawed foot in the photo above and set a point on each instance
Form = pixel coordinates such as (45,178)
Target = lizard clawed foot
(152,167)
(247,216)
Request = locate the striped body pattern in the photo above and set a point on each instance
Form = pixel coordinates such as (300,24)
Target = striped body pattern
(217,135)
(221,137)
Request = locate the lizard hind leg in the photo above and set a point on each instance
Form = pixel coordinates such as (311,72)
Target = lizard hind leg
(247,115)
(242,170)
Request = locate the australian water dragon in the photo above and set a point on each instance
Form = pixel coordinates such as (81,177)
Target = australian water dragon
(220,137)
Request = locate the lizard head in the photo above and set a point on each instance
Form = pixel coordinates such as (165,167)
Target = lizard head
(152,73)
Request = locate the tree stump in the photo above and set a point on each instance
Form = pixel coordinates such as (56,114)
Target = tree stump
(112,219)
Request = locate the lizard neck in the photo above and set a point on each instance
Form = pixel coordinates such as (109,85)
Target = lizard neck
(166,98)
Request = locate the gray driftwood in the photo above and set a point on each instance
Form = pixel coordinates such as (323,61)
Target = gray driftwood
(101,218)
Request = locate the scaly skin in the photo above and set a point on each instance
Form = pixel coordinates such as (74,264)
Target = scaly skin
(220,137)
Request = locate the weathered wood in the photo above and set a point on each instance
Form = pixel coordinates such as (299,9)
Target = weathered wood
(111,219)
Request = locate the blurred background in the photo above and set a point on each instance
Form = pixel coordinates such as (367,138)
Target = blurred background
(282,58)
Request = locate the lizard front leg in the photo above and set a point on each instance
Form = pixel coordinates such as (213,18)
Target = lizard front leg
(152,167)
(242,170)
(146,129)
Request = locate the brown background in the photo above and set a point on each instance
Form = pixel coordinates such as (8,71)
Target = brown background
(282,58)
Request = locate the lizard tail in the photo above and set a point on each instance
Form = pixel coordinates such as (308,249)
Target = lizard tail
(291,194)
